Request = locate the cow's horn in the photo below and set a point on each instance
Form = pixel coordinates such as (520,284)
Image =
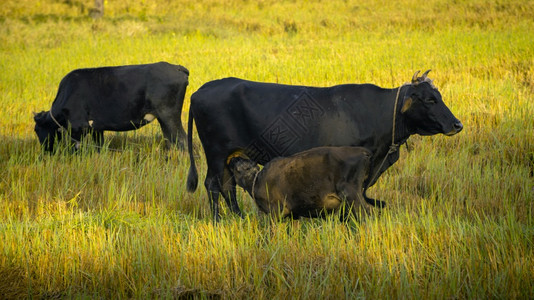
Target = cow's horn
(414,78)
(424,74)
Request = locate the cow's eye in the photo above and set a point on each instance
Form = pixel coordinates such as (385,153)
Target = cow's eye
(430,100)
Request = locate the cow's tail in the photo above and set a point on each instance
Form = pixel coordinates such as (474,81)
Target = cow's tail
(192,177)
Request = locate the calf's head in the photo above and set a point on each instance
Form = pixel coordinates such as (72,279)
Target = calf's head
(46,130)
(244,171)
(425,111)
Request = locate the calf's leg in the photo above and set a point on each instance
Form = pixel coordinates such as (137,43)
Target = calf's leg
(354,199)
(351,186)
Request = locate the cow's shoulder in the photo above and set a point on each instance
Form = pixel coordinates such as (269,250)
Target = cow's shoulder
(71,81)
(78,73)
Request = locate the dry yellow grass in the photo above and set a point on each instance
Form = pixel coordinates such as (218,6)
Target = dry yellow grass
(459,221)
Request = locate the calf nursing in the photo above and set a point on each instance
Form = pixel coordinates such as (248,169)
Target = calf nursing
(307,184)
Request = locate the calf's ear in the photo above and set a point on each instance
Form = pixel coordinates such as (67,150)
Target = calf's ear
(237,153)
(407,104)
(232,161)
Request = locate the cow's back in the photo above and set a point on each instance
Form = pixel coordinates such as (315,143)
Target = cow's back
(114,97)
(251,96)
(239,114)
(269,120)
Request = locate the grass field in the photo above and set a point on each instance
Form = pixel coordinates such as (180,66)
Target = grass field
(460,216)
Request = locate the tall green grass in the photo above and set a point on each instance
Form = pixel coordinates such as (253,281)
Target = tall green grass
(459,221)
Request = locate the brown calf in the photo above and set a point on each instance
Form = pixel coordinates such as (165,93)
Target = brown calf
(306,184)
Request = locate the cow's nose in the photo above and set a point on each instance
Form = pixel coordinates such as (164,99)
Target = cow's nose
(458,126)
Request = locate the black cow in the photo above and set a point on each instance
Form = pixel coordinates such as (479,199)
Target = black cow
(266,120)
(307,184)
(117,99)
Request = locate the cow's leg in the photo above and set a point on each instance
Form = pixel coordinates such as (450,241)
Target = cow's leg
(98,138)
(373,202)
(229,192)
(212,186)
(172,128)
(219,180)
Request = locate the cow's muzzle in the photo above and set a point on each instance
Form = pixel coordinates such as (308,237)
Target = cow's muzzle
(456,127)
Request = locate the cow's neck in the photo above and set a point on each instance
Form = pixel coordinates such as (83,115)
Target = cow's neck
(402,130)
(388,143)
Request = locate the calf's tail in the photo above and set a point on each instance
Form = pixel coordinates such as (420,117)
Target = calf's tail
(192,176)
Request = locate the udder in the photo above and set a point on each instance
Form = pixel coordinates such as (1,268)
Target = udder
(331,201)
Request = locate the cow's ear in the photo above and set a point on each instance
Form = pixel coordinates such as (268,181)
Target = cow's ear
(38,117)
(407,104)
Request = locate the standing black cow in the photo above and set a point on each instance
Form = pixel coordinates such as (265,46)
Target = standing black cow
(117,99)
(266,120)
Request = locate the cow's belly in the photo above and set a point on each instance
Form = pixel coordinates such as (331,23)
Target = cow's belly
(121,125)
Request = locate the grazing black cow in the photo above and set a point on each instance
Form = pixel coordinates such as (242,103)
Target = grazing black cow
(266,120)
(117,99)
(307,184)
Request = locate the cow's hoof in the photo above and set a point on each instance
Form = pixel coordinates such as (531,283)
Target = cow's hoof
(375,202)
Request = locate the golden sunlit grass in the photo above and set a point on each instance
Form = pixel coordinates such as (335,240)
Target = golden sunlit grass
(459,221)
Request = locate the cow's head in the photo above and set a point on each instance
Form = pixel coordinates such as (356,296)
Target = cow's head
(425,111)
(244,171)
(46,130)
